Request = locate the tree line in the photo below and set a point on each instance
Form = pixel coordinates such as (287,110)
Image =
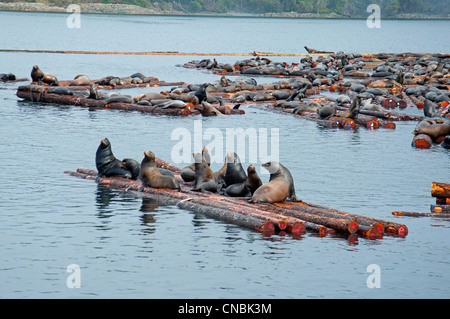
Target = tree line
(346,8)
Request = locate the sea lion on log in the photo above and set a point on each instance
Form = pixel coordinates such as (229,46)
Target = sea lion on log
(188,172)
(247,188)
(81,80)
(37,75)
(279,188)
(107,164)
(235,173)
(152,177)
(204,180)
(353,111)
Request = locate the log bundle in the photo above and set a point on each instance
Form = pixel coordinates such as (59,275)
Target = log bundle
(294,218)
(440,191)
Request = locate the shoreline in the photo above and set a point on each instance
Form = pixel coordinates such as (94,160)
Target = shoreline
(125,9)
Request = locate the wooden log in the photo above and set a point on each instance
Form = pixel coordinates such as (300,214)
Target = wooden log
(422,141)
(369,232)
(440,189)
(408,100)
(389,226)
(440,209)
(419,104)
(420,214)
(59,99)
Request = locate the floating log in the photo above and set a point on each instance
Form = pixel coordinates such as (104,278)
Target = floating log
(422,141)
(420,214)
(440,189)
(290,220)
(381,224)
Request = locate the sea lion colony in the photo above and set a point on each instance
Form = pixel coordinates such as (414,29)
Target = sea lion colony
(231,180)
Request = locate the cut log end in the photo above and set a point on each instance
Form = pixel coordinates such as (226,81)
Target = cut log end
(352,227)
(298,229)
(422,141)
(267,229)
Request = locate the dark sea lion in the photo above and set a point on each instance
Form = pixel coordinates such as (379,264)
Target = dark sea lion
(235,173)
(107,164)
(93,94)
(353,110)
(326,111)
(247,188)
(60,90)
(279,188)
(429,109)
(204,180)
(200,93)
(7,77)
(133,166)
(152,177)
(81,80)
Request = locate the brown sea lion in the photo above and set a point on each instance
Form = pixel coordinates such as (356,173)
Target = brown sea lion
(81,80)
(353,110)
(209,110)
(279,188)
(326,111)
(434,127)
(204,180)
(152,177)
(247,188)
(37,75)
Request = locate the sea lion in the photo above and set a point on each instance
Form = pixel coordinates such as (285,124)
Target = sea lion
(133,166)
(429,109)
(235,173)
(81,80)
(38,76)
(209,110)
(107,164)
(326,111)
(152,177)
(188,172)
(200,93)
(5,77)
(120,99)
(150,96)
(279,188)
(434,127)
(93,94)
(204,180)
(353,110)
(247,188)
(60,90)
(174,104)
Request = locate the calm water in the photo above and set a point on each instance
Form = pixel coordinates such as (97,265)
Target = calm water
(129,247)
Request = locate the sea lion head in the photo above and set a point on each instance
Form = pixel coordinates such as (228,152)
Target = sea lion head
(105,142)
(149,155)
(232,158)
(272,166)
(251,169)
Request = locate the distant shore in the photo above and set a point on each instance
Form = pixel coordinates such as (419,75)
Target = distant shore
(99,8)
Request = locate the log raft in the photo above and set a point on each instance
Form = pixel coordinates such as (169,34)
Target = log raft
(293,218)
